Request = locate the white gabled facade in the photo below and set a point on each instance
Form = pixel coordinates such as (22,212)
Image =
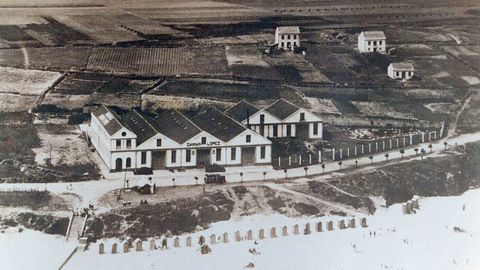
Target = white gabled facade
(120,151)
(301,123)
(372,41)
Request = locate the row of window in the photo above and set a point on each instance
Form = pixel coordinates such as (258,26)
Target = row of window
(380,42)
(128,144)
(288,44)
(288,36)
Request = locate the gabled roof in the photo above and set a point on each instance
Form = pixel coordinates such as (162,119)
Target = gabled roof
(218,124)
(140,125)
(282,109)
(402,66)
(241,111)
(108,119)
(288,30)
(374,35)
(176,126)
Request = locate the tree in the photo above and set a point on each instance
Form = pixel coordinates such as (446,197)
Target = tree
(371,159)
(196,180)
(264,175)
(431,147)
(323,167)
(356,163)
(445,144)
(306,169)
(241,177)
(402,151)
(386,156)
(416,151)
(340,164)
(173,180)
(285,171)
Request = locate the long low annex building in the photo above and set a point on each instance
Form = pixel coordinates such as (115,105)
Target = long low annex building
(171,140)
(280,119)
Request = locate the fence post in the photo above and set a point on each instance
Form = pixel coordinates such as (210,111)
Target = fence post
(390,143)
(383,144)
(279,162)
(355,151)
(376,146)
(341,154)
(310,159)
(300,160)
(333,153)
(320,156)
(289,160)
(369,147)
(363,149)
(348,152)
(423,137)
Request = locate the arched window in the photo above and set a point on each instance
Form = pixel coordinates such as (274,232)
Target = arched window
(128,163)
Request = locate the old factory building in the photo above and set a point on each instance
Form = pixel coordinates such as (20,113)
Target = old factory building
(280,119)
(287,37)
(372,41)
(171,140)
(403,71)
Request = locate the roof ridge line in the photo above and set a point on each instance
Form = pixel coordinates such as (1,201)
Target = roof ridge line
(188,119)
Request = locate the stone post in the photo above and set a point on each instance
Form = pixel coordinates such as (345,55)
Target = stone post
(333,153)
(295,229)
(364,222)
(114,248)
(319,227)
(213,239)
(188,242)
(348,152)
(363,149)
(307,229)
(273,233)
(398,143)
(369,147)
(153,246)
(101,248)
(279,162)
(238,237)
(383,144)
(176,242)
(300,160)
(330,226)
(341,153)
(289,160)
(138,245)
(404,139)
(351,224)
(310,159)
(341,224)
(423,137)
(390,143)
(355,151)
(261,234)
(285,231)
(376,146)
(320,156)
(249,235)
(225,238)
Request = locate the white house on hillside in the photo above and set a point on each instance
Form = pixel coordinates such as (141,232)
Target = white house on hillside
(403,71)
(280,119)
(287,37)
(372,41)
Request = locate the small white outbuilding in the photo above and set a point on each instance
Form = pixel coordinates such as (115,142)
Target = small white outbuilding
(403,71)
(372,41)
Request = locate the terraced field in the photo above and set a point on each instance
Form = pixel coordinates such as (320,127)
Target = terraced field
(140,61)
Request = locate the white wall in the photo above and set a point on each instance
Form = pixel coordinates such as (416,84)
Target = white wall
(319,134)
(268,155)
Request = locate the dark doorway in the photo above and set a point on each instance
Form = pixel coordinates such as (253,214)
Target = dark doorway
(203,157)
(248,156)
(302,131)
(118,164)
(158,160)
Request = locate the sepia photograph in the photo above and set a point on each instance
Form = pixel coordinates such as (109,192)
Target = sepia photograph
(239,134)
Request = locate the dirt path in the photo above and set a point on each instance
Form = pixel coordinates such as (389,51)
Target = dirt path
(336,188)
(280,188)
(466,101)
